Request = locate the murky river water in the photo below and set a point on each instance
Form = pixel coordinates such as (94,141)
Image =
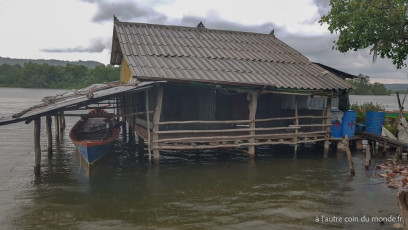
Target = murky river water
(186,191)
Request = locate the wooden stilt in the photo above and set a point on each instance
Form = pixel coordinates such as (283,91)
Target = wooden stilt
(373,147)
(63,121)
(252,114)
(156,120)
(349,159)
(368,157)
(340,146)
(61,124)
(37,146)
(124,129)
(296,123)
(48,120)
(140,146)
(328,112)
(149,150)
(359,145)
(56,128)
(403,205)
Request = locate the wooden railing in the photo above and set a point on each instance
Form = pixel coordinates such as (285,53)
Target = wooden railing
(291,134)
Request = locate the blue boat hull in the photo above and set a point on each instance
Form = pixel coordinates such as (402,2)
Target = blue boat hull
(94,153)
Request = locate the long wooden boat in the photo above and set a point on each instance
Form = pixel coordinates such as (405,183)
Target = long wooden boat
(93,136)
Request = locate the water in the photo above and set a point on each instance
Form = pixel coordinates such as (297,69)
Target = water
(390,103)
(186,191)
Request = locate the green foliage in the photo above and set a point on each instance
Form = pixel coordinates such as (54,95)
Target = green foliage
(362,108)
(392,125)
(364,87)
(379,24)
(33,75)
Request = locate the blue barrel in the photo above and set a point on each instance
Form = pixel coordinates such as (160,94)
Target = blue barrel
(348,125)
(335,129)
(374,122)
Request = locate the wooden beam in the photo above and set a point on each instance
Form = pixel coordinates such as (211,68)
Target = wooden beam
(48,125)
(252,114)
(156,120)
(37,146)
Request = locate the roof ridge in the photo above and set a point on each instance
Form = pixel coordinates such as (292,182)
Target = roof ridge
(206,29)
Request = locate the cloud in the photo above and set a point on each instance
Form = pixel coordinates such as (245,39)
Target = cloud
(125,10)
(323,6)
(96,45)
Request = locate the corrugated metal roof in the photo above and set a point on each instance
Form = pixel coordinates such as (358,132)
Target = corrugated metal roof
(175,53)
(79,98)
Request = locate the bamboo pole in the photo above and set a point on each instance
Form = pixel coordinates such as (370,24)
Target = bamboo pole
(368,157)
(258,136)
(148,126)
(37,146)
(48,120)
(179,147)
(252,114)
(56,128)
(349,159)
(403,205)
(227,130)
(328,122)
(240,121)
(156,120)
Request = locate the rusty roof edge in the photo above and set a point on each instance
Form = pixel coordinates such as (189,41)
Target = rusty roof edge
(79,100)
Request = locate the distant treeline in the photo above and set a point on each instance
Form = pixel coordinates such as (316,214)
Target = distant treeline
(364,87)
(32,75)
(21,61)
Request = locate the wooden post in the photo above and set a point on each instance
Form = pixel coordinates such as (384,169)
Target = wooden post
(140,145)
(156,120)
(48,120)
(131,133)
(63,121)
(56,128)
(403,205)
(252,114)
(373,143)
(368,157)
(349,159)
(37,146)
(359,145)
(296,123)
(61,124)
(123,111)
(326,142)
(149,151)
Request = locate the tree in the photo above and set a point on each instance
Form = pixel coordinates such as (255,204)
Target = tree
(379,24)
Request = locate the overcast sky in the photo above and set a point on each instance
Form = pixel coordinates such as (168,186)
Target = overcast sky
(82,29)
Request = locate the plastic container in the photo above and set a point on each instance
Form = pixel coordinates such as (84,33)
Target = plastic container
(348,125)
(336,118)
(374,122)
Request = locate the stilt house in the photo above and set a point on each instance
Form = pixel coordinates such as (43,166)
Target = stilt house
(220,89)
